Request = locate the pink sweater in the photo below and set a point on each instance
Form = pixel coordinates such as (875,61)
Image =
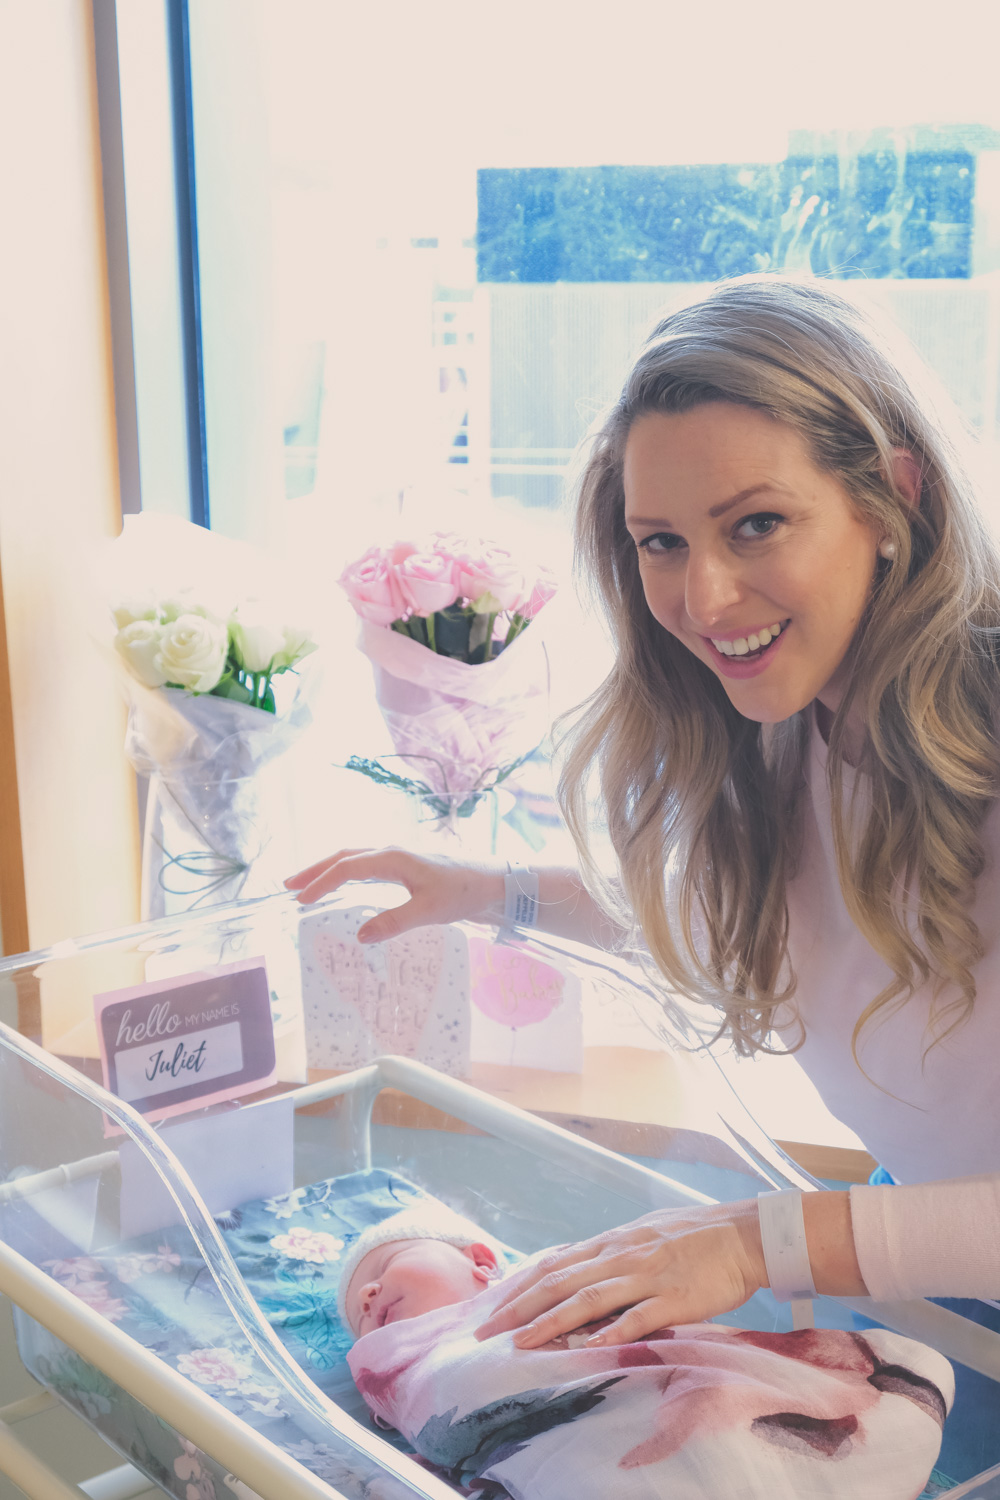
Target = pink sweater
(925,1118)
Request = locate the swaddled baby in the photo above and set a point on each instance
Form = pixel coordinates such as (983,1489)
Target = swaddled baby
(690,1412)
(412,1263)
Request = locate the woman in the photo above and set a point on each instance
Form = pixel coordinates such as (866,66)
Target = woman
(797,756)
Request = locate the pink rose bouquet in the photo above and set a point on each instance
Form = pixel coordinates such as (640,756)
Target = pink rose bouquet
(464,599)
(461,687)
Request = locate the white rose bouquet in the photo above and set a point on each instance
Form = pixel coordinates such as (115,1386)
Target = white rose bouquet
(214,695)
(179,644)
(460,678)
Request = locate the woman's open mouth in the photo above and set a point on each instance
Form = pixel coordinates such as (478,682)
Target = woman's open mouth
(746,655)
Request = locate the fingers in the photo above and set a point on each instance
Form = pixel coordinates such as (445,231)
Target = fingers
(667,1269)
(551,1280)
(639,1322)
(389,924)
(641,1311)
(306,877)
(558,1259)
(591,1302)
(393,865)
(519,1281)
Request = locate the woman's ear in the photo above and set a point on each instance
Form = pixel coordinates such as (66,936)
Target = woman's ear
(906,475)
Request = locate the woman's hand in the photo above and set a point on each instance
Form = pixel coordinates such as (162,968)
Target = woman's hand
(673,1266)
(441,890)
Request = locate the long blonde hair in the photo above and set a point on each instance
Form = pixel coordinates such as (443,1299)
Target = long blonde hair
(703,806)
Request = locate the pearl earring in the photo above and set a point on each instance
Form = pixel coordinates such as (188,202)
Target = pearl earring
(887,550)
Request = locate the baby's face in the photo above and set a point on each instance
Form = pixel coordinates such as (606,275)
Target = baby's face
(409,1277)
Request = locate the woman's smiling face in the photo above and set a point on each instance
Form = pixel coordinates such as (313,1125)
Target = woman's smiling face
(738,532)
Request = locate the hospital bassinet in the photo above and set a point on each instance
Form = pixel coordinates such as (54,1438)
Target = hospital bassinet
(175,1285)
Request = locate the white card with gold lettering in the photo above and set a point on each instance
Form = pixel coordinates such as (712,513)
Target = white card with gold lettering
(178,1044)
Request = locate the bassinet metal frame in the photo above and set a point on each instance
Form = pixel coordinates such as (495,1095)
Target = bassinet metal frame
(251,1457)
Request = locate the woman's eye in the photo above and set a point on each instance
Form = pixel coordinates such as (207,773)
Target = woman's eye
(764,524)
(659,543)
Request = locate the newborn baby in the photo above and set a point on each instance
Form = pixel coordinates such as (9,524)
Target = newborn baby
(689,1412)
(412,1263)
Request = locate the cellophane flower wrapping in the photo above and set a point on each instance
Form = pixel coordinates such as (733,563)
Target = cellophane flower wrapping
(455,725)
(214,615)
(461,672)
(205,821)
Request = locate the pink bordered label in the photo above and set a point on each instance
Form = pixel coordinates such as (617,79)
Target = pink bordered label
(178,1044)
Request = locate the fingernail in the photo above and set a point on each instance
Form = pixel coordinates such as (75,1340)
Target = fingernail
(524,1336)
(596,1338)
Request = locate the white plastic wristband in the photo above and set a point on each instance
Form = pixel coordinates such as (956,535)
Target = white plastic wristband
(783,1239)
(520,897)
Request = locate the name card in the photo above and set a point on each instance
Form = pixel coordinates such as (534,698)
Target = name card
(179,1044)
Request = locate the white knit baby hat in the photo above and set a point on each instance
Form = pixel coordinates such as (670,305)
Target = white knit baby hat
(425,1222)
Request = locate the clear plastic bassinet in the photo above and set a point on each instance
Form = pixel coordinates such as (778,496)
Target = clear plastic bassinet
(175,1285)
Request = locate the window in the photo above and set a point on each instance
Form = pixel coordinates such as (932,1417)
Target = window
(422,240)
(428,242)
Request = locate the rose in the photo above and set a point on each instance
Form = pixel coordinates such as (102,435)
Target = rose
(182,603)
(138,645)
(545,587)
(296,644)
(255,643)
(371,586)
(428,581)
(133,609)
(193,652)
(491,579)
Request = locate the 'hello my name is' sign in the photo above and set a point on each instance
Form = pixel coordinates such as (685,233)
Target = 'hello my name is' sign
(178,1044)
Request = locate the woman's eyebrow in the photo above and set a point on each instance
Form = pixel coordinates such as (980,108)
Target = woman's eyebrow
(714,510)
(753,489)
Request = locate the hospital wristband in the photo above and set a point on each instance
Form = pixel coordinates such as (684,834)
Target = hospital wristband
(520,897)
(783,1240)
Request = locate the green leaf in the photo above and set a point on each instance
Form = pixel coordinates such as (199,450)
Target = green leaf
(517,624)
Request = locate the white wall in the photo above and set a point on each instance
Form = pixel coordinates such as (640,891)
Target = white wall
(58,476)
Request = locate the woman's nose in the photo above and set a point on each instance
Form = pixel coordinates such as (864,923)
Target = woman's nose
(712,587)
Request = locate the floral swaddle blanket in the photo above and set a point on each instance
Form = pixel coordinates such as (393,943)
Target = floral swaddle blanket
(690,1412)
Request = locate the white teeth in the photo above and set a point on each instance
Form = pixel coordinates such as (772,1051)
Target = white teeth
(745,644)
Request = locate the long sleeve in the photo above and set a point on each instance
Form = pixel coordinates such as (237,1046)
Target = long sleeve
(934,1239)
